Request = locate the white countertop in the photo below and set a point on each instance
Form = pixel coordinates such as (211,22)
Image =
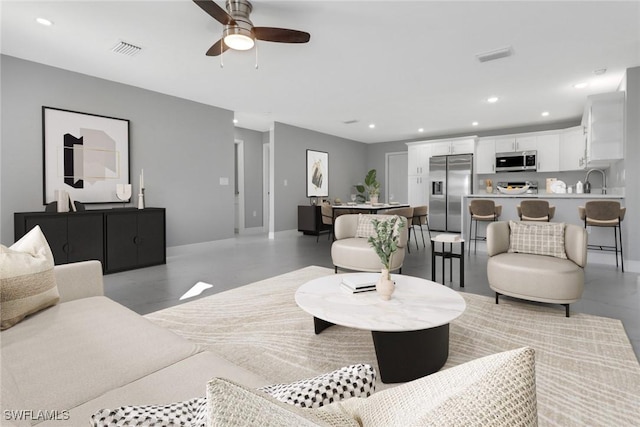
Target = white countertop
(416,304)
(544,195)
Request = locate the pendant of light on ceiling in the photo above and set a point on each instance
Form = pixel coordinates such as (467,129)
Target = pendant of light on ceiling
(222,61)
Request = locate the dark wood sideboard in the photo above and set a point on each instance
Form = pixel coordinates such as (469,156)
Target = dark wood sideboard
(310,220)
(120,238)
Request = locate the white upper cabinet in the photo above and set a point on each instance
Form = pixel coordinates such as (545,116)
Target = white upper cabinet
(548,147)
(515,143)
(456,146)
(485,157)
(418,158)
(604,121)
(572,149)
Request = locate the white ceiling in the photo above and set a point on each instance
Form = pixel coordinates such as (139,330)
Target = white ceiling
(402,65)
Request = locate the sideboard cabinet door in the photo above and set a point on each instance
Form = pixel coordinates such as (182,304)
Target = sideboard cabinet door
(151,234)
(121,229)
(72,237)
(135,238)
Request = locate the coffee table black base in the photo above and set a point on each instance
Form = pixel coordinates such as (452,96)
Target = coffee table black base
(406,356)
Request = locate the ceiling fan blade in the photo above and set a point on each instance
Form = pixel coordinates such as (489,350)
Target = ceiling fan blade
(281,35)
(218,48)
(218,13)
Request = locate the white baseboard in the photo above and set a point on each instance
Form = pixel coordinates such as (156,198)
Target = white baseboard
(252,230)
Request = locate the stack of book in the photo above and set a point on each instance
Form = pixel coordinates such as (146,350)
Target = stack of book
(356,283)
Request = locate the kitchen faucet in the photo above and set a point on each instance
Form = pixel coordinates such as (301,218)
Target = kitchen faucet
(604,179)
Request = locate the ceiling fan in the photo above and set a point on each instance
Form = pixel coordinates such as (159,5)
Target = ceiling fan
(239,32)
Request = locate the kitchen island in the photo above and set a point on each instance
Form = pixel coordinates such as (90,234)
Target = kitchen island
(566,211)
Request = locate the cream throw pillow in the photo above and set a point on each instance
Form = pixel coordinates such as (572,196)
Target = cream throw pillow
(545,238)
(493,391)
(365,227)
(27,281)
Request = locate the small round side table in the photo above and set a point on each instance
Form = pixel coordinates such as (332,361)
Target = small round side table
(445,253)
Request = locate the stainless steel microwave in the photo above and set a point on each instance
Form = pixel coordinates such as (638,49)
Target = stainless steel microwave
(517,161)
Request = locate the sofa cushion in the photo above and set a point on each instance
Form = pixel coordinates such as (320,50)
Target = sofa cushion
(355,254)
(537,239)
(233,405)
(76,351)
(183,380)
(536,278)
(496,390)
(27,281)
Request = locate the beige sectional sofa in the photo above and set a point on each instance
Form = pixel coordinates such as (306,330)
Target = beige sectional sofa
(89,352)
(86,353)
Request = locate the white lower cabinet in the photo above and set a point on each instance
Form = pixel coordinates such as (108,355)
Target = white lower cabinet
(418,190)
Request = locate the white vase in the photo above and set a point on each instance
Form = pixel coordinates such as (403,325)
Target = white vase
(385,286)
(373,199)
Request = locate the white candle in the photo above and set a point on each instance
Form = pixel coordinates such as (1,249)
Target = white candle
(141,179)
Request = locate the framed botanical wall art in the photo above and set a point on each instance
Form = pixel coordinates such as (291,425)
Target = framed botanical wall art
(317,174)
(86,155)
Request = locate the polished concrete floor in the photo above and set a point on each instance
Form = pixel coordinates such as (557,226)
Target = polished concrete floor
(230,263)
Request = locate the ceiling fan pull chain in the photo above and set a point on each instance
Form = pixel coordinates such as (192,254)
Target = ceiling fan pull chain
(256,56)
(221,61)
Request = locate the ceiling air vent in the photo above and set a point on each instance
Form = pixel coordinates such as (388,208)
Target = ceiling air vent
(350,122)
(494,54)
(125,48)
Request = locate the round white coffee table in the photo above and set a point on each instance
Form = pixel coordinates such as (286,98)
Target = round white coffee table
(410,332)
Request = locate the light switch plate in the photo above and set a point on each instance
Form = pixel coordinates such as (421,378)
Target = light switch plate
(224,180)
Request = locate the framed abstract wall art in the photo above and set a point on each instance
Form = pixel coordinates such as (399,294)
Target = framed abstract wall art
(317,174)
(86,155)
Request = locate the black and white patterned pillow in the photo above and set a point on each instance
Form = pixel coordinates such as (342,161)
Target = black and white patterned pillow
(190,413)
(350,381)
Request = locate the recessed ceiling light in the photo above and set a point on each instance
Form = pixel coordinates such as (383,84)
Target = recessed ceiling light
(371,126)
(474,124)
(235,121)
(43,21)
(421,130)
(581,85)
(492,99)
(545,113)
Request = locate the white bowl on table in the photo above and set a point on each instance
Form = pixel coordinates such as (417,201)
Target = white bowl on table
(513,190)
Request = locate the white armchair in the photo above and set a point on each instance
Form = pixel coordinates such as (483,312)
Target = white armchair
(355,253)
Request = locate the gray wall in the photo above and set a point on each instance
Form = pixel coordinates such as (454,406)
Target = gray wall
(183,146)
(631,224)
(347,166)
(253,176)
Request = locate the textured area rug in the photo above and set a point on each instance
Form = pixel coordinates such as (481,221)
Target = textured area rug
(586,371)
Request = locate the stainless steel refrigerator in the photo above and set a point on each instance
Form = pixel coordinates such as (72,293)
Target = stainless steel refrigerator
(450,178)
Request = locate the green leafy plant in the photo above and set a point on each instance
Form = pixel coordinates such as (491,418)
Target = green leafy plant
(371,186)
(385,242)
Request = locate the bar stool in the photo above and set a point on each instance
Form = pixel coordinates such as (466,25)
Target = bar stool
(481,210)
(605,213)
(535,210)
(420,214)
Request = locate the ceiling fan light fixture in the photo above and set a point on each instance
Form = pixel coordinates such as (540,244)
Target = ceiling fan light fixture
(238,38)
